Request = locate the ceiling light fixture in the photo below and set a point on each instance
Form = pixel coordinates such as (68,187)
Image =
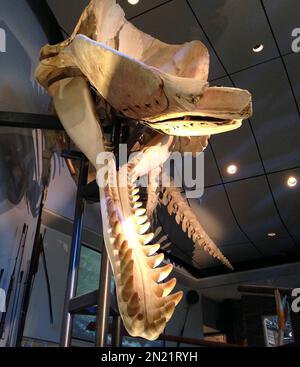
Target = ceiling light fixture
(292,181)
(271,234)
(232,169)
(258,48)
(133,2)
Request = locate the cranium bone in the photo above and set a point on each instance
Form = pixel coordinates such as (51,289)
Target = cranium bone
(165,88)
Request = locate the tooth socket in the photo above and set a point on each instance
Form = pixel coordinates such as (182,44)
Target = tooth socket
(137,324)
(113,218)
(127,269)
(123,249)
(118,241)
(133,305)
(127,289)
(126,259)
(116,229)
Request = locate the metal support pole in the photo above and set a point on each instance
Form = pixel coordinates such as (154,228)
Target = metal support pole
(66,334)
(117,331)
(103,301)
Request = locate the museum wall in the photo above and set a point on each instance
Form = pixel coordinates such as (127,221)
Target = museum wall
(19,92)
(20,152)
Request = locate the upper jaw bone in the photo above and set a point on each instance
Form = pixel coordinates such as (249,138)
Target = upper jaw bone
(165,97)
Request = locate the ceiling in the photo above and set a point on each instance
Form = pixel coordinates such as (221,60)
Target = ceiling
(237,211)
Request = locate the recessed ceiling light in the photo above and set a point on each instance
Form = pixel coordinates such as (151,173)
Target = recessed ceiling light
(232,169)
(271,234)
(292,181)
(258,48)
(133,2)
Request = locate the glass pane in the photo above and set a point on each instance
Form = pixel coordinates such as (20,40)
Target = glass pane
(89,270)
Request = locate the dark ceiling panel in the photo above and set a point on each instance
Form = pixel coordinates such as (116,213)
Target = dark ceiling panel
(253,205)
(234,28)
(240,252)
(275,117)
(67,12)
(211,174)
(140,7)
(214,214)
(237,147)
(284,17)
(204,261)
(276,246)
(175,23)
(288,200)
(292,63)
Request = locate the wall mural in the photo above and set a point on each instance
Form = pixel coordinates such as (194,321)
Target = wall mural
(20,156)
(20,193)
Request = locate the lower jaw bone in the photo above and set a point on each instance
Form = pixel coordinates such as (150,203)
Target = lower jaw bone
(145,306)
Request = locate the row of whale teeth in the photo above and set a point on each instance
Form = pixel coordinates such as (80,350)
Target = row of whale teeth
(184,216)
(130,301)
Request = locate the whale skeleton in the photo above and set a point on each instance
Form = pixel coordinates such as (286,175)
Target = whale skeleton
(163,92)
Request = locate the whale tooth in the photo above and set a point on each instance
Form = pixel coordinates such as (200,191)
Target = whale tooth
(160,274)
(196,238)
(170,208)
(184,224)
(167,287)
(190,231)
(178,217)
(116,229)
(150,250)
(140,212)
(146,238)
(155,260)
(176,297)
(135,198)
(135,191)
(144,228)
(137,204)
(142,219)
